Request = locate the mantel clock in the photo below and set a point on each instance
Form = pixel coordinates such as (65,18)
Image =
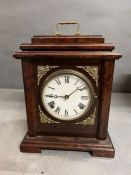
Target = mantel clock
(67,85)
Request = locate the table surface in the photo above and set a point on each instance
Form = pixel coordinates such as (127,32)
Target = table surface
(13,128)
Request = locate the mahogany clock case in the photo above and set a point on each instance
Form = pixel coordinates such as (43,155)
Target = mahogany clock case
(88,55)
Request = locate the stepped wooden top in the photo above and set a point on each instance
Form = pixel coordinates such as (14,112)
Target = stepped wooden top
(81,39)
(83,47)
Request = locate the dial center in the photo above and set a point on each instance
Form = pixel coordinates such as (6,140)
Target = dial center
(66,97)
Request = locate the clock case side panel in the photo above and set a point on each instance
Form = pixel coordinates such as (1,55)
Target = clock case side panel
(30,98)
(105,98)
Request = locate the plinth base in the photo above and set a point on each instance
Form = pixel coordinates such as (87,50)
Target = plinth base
(98,148)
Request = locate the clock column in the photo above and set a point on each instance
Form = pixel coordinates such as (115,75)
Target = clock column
(106,84)
(30,98)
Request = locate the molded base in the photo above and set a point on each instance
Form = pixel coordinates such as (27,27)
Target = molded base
(98,148)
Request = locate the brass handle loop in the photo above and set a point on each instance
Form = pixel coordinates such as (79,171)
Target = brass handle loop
(67,23)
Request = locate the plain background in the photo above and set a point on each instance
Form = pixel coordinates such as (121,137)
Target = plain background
(21,19)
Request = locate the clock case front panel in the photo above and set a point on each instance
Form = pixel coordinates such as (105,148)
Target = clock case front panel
(66,128)
(68,52)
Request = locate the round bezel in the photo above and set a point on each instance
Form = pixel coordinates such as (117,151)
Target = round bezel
(71,72)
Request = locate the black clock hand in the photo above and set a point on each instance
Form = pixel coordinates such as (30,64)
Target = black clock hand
(78,88)
(66,96)
(72,92)
(56,96)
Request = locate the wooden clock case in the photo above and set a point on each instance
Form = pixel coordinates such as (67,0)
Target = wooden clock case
(92,57)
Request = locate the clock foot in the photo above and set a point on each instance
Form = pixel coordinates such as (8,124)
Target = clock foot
(28,149)
(100,153)
(98,148)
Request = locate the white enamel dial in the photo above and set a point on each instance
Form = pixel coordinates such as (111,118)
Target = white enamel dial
(66,96)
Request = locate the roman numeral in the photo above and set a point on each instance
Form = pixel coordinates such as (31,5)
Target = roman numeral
(49,95)
(51,87)
(51,104)
(67,79)
(75,111)
(84,97)
(83,88)
(76,82)
(66,112)
(58,81)
(81,105)
(57,110)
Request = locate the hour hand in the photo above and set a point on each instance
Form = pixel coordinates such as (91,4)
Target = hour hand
(55,96)
(59,96)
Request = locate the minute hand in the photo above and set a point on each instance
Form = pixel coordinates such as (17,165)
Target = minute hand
(78,88)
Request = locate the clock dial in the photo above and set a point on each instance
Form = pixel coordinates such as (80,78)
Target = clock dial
(67,96)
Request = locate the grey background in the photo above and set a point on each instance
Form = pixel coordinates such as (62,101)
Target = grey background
(21,19)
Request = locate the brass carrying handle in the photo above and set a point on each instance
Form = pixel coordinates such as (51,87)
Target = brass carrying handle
(67,23)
